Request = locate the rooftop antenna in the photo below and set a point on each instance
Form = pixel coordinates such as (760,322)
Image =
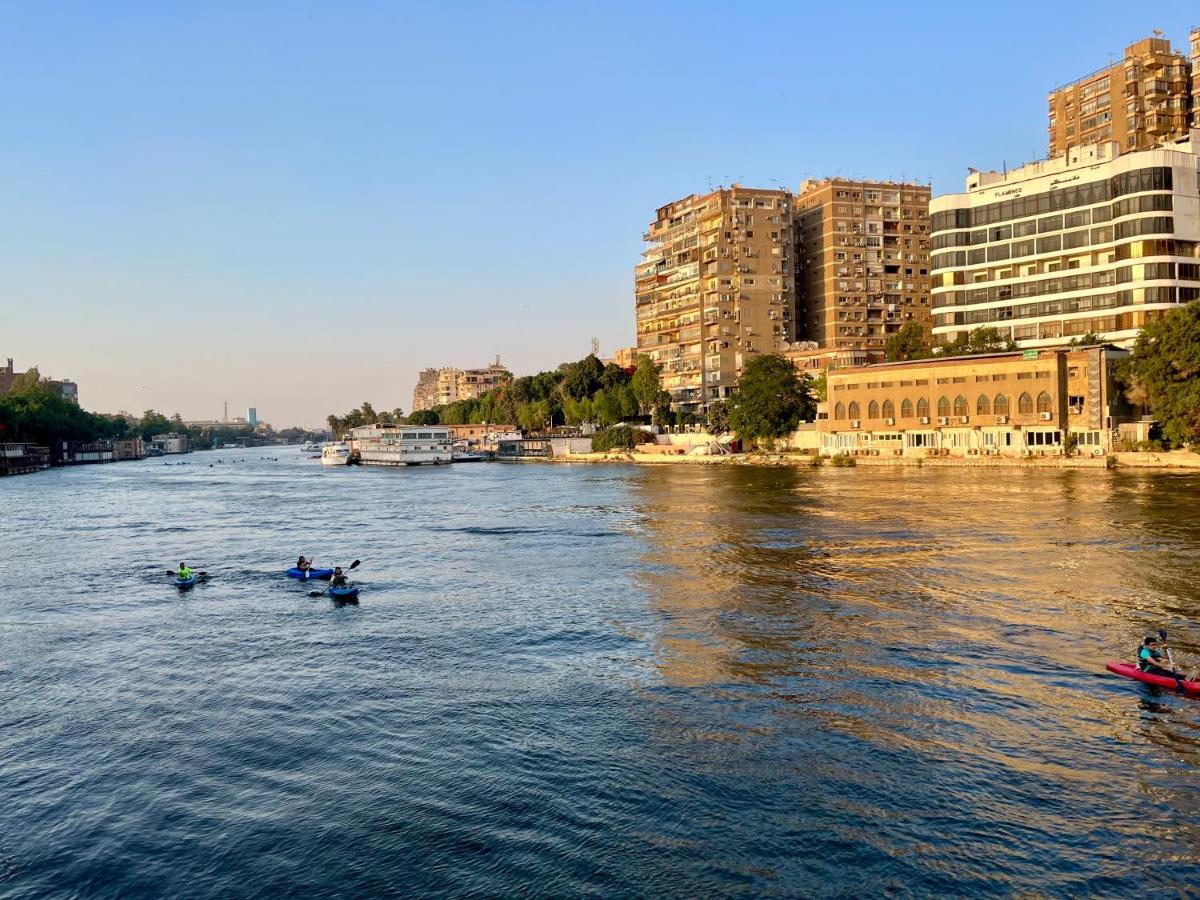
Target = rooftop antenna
(595,346)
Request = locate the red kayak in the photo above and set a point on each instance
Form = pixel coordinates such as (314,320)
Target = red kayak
(1128,670)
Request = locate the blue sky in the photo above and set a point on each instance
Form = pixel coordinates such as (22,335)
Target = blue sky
(297,206)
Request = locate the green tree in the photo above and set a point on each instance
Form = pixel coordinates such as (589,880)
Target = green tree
(582,379)
(612,377)
(771,399)
(986,339)
(424,417)
(1086,340)
(646,384)
(661,410)
(606,407)
(907,343)
(1165,372)
(718,417)
(153,423)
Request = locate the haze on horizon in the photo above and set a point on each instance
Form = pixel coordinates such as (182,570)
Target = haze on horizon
(296,207)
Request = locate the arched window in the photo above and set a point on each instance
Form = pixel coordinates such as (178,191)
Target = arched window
(854,410)
(983,405)
(889,409)
(839,411)
(906,409)
(1044,402)
(873,410)
(1025,404)
(943,406)
(1000,405)
(923,408)
(960,406)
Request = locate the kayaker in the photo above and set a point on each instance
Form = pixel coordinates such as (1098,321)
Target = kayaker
(338,580)
(1149,656)
(184,572)
(303,564)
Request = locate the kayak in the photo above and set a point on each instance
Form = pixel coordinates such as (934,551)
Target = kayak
(306,574)
(1128,670)
(344,594)
(184,583)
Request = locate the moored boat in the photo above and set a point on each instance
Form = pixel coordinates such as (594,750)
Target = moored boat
(402,445)
(335,454)
(310,447)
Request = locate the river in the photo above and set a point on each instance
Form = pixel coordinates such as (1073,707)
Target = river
(669,681)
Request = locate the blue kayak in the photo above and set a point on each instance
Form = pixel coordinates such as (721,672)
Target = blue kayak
(184,583)
(306,574)
(344,594)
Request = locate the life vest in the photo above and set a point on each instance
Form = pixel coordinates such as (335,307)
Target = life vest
(1148,658)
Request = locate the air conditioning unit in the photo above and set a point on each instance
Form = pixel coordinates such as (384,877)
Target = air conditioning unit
(924,420)
(854,423)
(1046,417)
(943,420)
(1001,420)
(889,421)
(963,420)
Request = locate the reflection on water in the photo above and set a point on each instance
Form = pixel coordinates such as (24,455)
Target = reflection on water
(661,681)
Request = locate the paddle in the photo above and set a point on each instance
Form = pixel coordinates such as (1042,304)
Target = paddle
(200,576)
(349,568)
(1162,633)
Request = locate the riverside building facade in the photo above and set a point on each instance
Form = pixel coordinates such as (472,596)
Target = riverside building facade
(862,262)
(1021,403)
(1145,99)
(1094,241)
(715,286)
(437,387)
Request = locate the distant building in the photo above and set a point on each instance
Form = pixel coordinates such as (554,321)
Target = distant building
(68,390)
(252,417)
(1009,404)
(437,387)
(1143,100)
(626,357)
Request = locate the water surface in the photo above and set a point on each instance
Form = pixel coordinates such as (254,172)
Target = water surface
(602,680)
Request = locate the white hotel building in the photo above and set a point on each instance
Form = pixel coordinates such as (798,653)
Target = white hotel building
(1090,241)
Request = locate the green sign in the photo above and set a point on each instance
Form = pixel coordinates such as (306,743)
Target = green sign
(1030,354)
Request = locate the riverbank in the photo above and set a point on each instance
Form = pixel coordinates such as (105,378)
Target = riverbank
(1177,460)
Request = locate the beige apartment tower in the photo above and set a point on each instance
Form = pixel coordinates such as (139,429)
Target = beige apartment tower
(862,262)
(437,387)
(1195,39)
(1143,100)
(715,285)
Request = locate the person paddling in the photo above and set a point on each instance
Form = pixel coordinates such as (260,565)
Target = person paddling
(303,564)
(339,579)
(1151,659)
(184,572)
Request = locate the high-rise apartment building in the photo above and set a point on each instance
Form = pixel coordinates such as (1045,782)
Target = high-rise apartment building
(1195,39)
(1092,241)
(1143,100)
(862,261)
(437,387)
(714,287)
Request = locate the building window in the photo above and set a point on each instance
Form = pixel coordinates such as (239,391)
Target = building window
(1043,402)
(873,410)
(854,409)
(983,406)
(1000,405)
(960,405)
(889,409)
(923,408)
(943,406)
(1025,404)
(906,409)
(839,411)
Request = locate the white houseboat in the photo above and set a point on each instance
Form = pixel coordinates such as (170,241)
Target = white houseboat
(402,445)
(335,454)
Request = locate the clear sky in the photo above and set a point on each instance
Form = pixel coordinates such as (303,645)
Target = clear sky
(298,205)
